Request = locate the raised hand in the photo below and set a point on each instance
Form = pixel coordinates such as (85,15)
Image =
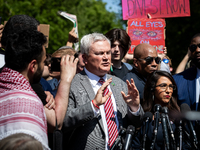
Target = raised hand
(133,97)
(50,101)
(100,98)
(72,38)
(68,68)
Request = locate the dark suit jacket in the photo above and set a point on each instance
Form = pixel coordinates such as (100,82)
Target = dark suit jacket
(186,85)
(138,79)
(87,130)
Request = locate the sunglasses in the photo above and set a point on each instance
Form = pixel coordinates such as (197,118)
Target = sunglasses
(193,47)
(149,60)
(166,61)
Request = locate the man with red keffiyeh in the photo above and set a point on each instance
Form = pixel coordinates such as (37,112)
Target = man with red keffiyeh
(21,109)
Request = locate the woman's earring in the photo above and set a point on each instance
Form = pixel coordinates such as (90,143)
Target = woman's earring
(153,97)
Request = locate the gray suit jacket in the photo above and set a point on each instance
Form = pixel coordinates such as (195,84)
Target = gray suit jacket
(82,130)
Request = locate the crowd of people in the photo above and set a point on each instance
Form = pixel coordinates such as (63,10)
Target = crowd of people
(92,96)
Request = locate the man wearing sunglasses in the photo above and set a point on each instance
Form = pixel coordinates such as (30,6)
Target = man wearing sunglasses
(145,61)
(188,81)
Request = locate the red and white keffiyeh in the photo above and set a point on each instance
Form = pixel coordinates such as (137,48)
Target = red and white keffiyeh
(21,110)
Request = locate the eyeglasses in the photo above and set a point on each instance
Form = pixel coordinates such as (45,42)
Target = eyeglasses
(166,61)
(164,86)
(149,60)
(193,47)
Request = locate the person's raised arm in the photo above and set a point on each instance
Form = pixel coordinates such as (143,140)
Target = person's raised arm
(181,66)
(72,38)
(68,70)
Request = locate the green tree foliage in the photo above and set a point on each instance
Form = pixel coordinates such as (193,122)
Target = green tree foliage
(91,15)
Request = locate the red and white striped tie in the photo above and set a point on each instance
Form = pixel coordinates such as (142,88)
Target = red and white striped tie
(110,117)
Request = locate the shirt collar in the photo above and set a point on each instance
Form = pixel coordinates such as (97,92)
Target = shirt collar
(94,79)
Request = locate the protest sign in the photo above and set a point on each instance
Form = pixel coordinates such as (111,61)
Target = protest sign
(44,28)
(73,19)
(151,31)
(156,8)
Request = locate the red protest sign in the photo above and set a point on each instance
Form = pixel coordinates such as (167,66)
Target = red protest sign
(151,31)
(156,8)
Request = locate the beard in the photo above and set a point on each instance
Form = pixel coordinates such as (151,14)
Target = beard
(38,74)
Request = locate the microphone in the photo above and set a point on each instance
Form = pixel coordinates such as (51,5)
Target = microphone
(147,118)
(179,123)
(165,131)
(129,133)
(157,109)
(165,111)
(184,109)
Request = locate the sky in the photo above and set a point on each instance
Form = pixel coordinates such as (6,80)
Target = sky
(112,5)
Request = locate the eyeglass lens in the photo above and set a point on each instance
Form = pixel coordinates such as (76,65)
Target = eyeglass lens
(164,86)
(149,60)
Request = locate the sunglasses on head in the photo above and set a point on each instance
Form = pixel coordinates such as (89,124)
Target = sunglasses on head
(149,60)
(193,47)
(166,61)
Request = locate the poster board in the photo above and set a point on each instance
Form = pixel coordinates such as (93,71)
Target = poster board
(44,28)
(151,31)
(156,8)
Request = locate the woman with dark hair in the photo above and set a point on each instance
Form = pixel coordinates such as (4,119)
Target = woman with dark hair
(160,89)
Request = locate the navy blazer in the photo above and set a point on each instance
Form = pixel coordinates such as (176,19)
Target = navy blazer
(186,86)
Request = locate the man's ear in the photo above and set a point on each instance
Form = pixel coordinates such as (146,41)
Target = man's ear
(33,65)
(135,62)
(84,56)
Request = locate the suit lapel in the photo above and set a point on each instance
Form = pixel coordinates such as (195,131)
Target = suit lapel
(85,82)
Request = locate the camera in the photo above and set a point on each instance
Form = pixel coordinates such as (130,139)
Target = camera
(55,63)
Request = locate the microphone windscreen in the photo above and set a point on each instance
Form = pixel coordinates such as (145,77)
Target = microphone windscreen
(130,130)
(165,110)
(157,107)
(148,115)
(185,108)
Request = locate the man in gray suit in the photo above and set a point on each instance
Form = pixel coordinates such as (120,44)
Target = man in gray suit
(86,123)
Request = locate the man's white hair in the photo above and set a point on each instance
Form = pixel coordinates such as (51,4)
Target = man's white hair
(89,39)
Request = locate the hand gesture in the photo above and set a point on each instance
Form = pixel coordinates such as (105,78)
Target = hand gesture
(72,38)
(133,97)
(50,100)
(100,98)
(68,68)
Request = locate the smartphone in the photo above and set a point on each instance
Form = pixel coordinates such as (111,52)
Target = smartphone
(76,55)
(55,64)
